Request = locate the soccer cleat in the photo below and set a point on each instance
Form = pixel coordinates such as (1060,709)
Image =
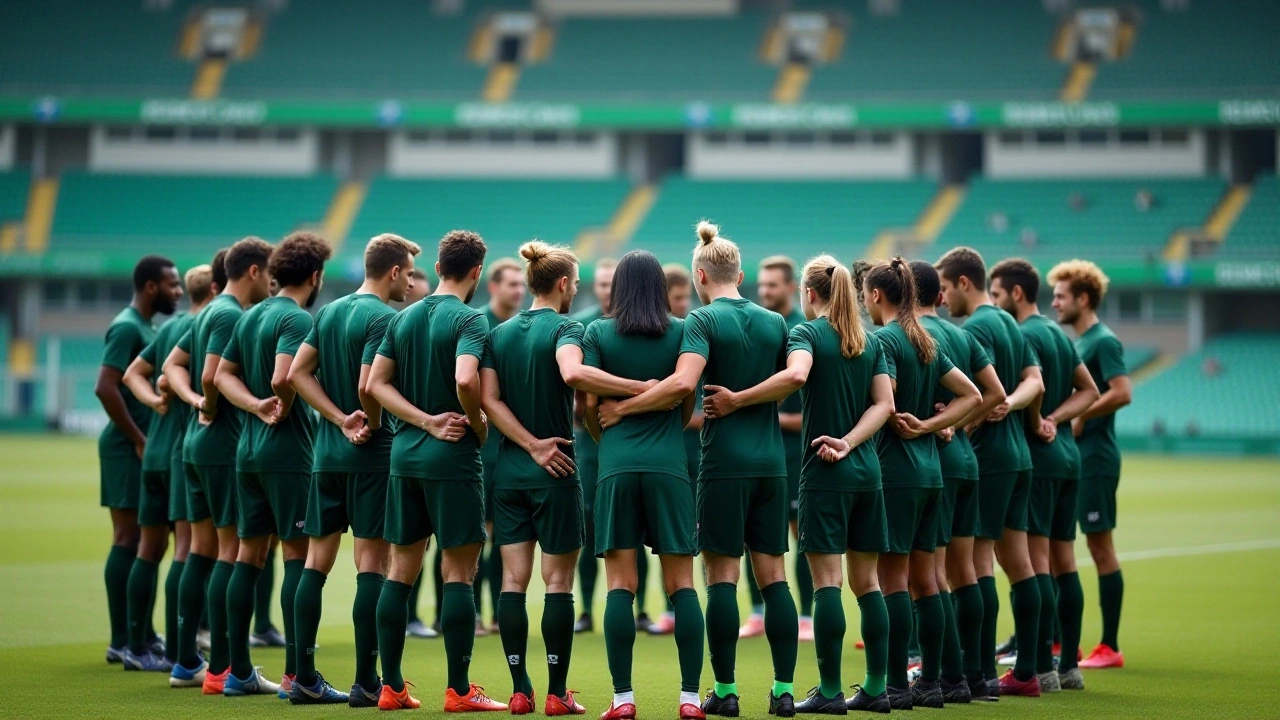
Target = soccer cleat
(1008,646)
(900,698)
(1010,685)
(806,630)
(203,641)
(980,691)
(753,627)
(520,704)
(562,706)
(926,693)
(322,693)
(860,645)
(419,629)
(255,684)
(584,624)
(1072,679)
(689,711)
(214,682)
(474,701)
(643,623)
(1103,657)
(157,645)
(181,677)
(147,662)
(271,638)
(665,625)
(955,693)
(862,702)
(1049,682)
(784,706)
(1008,659)
(626,711)
(392,700)
(361,698)
(481,630)
(726,706)
(286,686)
(115,655)
(815,704)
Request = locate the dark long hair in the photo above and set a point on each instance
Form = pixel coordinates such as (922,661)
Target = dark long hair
(894,279)
(639,304)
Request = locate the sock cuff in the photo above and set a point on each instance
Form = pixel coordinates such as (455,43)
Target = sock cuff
(872,596)
(934,599)
(945,595)
(987,580)
(390,585)
(556,597)
(620,593)
(723,587)
(519,597)
(779,587)
(1029,582)
(683,593)
(967,590)
(898,596)
(370,577)
(118,550)
(225,564)
(311,573)
(828,590)
(1110,577)
(456,587)
(144,561)
(299,563)
(1067,575)
(200,562)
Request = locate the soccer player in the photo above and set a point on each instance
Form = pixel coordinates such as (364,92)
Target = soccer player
(587,452)
(427,373)
(846,397)
(273,458)
(1068,391)
(208,457)
(913,476)
(776,285)
(1004,467)
(506,294)
(958,504)
(351,460)
(163,501)
(742,496)
(121,448)
(644,496)
(1078,289)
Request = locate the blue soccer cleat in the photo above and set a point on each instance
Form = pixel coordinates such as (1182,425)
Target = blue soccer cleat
(115,655)
(254,685)
(147,662)
(322,693)
(181,677)
(361,698)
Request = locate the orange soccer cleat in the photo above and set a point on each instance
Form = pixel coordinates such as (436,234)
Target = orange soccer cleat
(562,706)
(1010,685)
(474,701)
(521,704)
(1103,657)
(392,700)
(213,682)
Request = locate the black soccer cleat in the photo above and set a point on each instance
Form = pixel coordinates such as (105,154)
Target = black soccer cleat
(726,706)
(955,693)
(980,691)
(926,693)
(784,706)
(862,702)
(1008,646)
(900,698)
(816,704)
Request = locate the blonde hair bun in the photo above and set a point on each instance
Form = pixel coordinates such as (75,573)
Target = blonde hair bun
(534,250)
(707,231)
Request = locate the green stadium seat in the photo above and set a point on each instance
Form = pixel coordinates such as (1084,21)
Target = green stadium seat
(13,196)
(1136,356)
(1256,235)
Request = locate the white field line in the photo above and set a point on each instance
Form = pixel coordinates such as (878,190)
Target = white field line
(1187,551)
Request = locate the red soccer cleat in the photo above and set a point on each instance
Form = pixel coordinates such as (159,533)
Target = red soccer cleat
(392,700)
(520,704)
(860,645)
(1103,657)
(625,711)
(689,711)
(474,701)
(213,682)
(1009,685)
(563,706)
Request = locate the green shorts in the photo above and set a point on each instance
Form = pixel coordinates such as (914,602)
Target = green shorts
(338,500)
(751,513)
(153,500)
(1051,512)
(119,481)
(272,503)
(588,463)
(488,493)
(834,522)
(957,510)
(211,493)
(1002,502)
(552,516)
(452,510)
(1097,504)
(645,509)
(794,462)
(177,490)
(912,515)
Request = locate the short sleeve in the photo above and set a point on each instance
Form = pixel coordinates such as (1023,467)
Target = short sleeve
(471,336)
(800,340)
(978,358)
(1030,356)
(978,334)
(231,352)
(374,335)
(184,342)
(221,328)
(313,335)
(591,346)
(881,365)
(486,360)
(697,336)
(944,363)
(292,332)
(148,353)
(890,362)
(1111,358)
(783,333)
(122,341)
(570,333)
(387,348)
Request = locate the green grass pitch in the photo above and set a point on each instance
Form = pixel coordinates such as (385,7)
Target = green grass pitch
(1201,538)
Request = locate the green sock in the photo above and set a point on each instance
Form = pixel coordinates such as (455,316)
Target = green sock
(642,579)
(191,606)
(952,663)
(393,616)
(804,582)
(150,630)
(477,588)
(913,644)
(690,634)
(899,607)
(990,613)
(557,635)
(1048,611)
(413,598)
(262,594)
(875,635)
(437,576)
(240,593)
(588,566)
(458,625)
(140,594)
(781,627)
(619,637)
(172,582)
(1071,616)
(1111,597)
(116,575)
(828,635)
(753,587)
(288,593)
(495,581)
(722,630)
(364,617)
(307,608)
(969,628)
(219,642)
(513,624)
(1026,625)
(931,623)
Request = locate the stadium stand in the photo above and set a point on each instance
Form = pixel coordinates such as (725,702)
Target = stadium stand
(1230,388)
(13,197)
(1050,220)
(1254,235)
(1137,356)
(79,357)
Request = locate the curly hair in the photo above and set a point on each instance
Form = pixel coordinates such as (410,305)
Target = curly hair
(1084,278)
(298,257)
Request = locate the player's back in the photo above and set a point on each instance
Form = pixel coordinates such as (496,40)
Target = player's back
(910,463)
(1103,355)
(957,457)
(1058,361)
(215,443)
(166,430)
(744,345)
(1001,446)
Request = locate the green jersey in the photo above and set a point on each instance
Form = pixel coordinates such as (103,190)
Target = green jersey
(586,449)
(586,316)
(1058,361)
(127,335)
(489,453)
(346,336)
(522,351)
(832,401)
(275,326)
(651,442)
(910,463)
(744,345)
(1101,352)
(209,334)
(425,342)
(1001,446)
(792,403)
(166,431)
(957,457)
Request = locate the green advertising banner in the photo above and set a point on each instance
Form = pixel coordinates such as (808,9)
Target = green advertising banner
(641,116)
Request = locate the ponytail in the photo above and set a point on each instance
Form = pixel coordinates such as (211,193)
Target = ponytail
(895,280)
(833,283)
